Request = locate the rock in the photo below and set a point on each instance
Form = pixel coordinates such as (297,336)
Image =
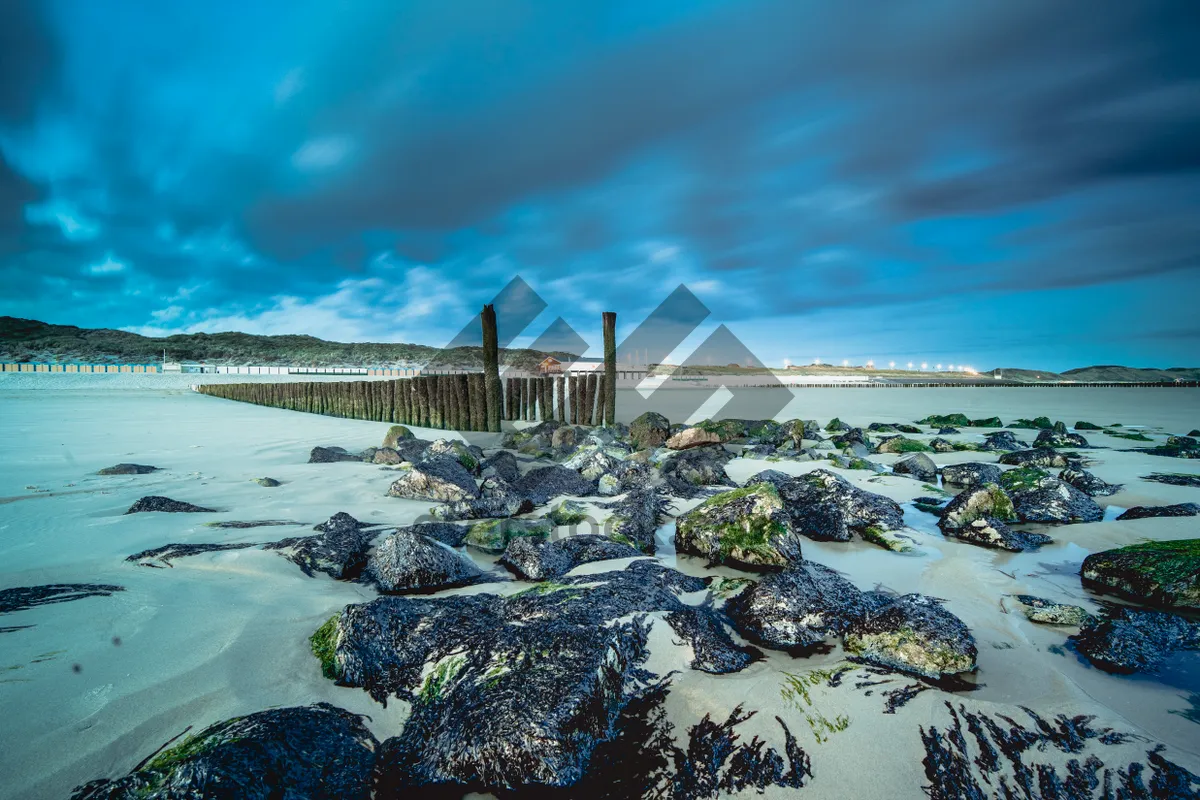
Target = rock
(771,476)
(635,518)
(509,692)
(538,560)
(330,455)
(945,420)
(1194,432)
(1127,640)
(907,428)
(1038,457)
(316,751)
(386,455)
(568,512)
(411,450)
(166,504)
(444,532)
(882,427)
(854,462)
(339,551)
(914,634)
(799,607)
(563,438)
(826,506)
(1046,612)
(1145,512)
(502,465)
(1087,426)
(443,479)
(1177,447)
(1041,423)
(713,650)
(930,505)
(1173,479)
(394,435)
(854,437)
(1057,438)
(948,431)
(836,424)
(971,474)
(940,445)
(468,456)
(1088,483)
(987,422)
(269,483)
(409,562)
(978,502)
(1038,497)
(745,527)
(1165,573)
(693,437)
(592,461)
(128,469)
(703,466)
(901,444)
(763,431)
(991,532)
(543,484)
(649,431)
(497,498)
(917,465)
(494,535)
(1002,441)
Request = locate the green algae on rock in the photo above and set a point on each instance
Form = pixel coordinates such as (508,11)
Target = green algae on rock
(1162,573)
(746,526)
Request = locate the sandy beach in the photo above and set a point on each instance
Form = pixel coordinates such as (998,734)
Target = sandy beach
(93,686)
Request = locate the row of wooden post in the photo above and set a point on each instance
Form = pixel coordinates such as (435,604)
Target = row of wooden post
(577,399)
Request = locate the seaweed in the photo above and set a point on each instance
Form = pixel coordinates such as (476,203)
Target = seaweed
(25,597)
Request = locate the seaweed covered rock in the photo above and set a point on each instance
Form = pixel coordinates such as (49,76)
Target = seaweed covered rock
(991,532)
(1127,640)
(268,483)
(1088,483)
(690,470)
(165,504)
(914,634)
(987,422)
(1059,438)
(693,437)
(1002,441)
(330,455)
(1038,423)
(494,535)
(316,751)
(945,420)
(1147,512)
(854,440)
(339,550)
(940,445)
(441,479)
(386,455)
(503,465)
(1046,612)
(497,498)
(835,425)
(901,444)
(444,532)
(1173,479)
(825,506)
(1160,573)
(1177,447)
(469,456)
(1087,426)
(1038,497)
(543,484)
(409,562)
(882,427)
(1037,457)
(798,607)
(508,692)
(539,560)
(128,469)
(746,527)
(978,502)
(635,518)
(916,465)
(649,431)
(971,473)
(394,435)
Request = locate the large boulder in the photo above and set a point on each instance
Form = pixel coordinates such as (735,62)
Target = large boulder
(497,498)
(494,535)
(441,479)
(1002,441)
(539,560)
(543,484)
(979,515)
(1127,640)
(918,466)
(166,504)
(330,455)
(992,532)
(1147,512)
(1038,497)
(503,465)
(945,420)
(649,431)
(1059,437)
(394,435)
(825,506)
(1088,483)
(1038,457)
(513,692)
(339,549)
(693,437)
(1160,573)
(316,751)
(409,562)
(798,607)
(971,474)
(635,518)
(688,471)
(745,527)
(914,634)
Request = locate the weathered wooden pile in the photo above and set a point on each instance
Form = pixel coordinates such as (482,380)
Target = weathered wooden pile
(475,401)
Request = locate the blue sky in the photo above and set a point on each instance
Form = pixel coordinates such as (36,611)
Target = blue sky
(993,183)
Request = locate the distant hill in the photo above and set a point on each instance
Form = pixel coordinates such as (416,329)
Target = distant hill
(1131,374)
(1024,375)
(27,340)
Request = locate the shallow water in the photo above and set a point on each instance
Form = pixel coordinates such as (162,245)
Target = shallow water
(97,684)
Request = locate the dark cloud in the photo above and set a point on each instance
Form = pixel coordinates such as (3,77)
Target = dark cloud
(29,60)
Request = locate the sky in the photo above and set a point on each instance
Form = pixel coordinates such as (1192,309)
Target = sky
(991,183)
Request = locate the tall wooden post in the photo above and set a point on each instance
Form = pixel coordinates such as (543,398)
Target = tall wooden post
(491,367)
(601,399)
(561,390)
(609,321)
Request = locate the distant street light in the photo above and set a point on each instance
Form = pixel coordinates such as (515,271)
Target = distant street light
(939,367)
(910,365)
(924,365)
(845,362)
(891,365)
